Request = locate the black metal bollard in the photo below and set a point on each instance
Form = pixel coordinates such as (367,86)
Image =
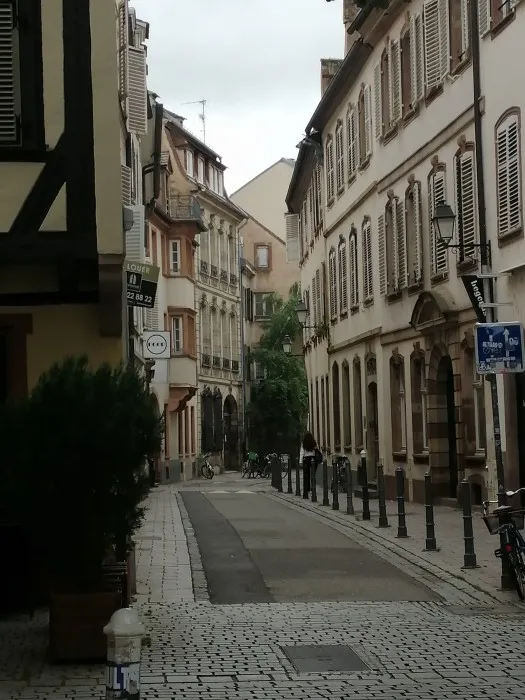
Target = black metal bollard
(469,558)
(430,542)
(335,480)
(349,487)
(364,486)
(289,475)
(313,479)
(507,584)
(401,515)
(383,520)
(326,501)
(298,478)
(277,475)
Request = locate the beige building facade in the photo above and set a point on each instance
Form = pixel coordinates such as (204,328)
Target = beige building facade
(390,360)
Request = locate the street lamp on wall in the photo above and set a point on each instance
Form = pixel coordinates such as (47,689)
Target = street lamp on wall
(287,345)
(302,313)
(444,221)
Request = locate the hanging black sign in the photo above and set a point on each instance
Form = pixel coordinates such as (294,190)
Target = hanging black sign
(474,289)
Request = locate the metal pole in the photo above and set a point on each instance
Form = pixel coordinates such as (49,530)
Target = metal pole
(278,474)
(289,475)
(364,486)
(326,501)
(486,263)
(430,542)
(298,478)
(335,479)
(469,558)
(401,515)
(313,479)
(349,488)
(383,520)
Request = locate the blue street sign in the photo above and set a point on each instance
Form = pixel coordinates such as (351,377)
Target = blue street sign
(499,348)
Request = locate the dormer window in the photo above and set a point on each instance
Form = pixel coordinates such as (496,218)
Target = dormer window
(200,169)
(189,162)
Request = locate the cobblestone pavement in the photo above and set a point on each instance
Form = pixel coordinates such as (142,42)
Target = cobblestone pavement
(466,648)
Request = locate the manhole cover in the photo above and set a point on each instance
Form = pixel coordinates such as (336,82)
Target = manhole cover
(321,658)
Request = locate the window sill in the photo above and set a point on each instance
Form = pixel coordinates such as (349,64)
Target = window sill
(399,456)
(498,27)
(394,296)
(509,237)
(461,66)
(354,309)
(340,192)
(352,179)
(390,134)
(477,459)
(433,93)
(421,458)
(439,278)
(415,287)
(368,302)
(467,265)
(343,315)
(24,155)
(333,320)
(364,165)
(410,115)
(330,202)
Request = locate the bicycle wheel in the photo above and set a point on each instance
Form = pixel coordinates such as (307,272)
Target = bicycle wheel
(517,572)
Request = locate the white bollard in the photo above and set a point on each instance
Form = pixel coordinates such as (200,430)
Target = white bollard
(124,632)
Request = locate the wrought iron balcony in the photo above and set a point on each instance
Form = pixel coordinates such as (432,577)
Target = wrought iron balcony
(214,271)
(204,267)
(184,207)
(224,276)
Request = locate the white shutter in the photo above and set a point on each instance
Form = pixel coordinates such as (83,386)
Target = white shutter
(367,99)
(138,95)
(417,59)
(418,229)
(508,176)
(465,27)
(394,81)
(466,201)
(484,16)
(354,280)
(444,38)
(368,289)
(393,257)
(343,279)
(330,170)
(125,174)
(314,301)
(382,253)
(135,236)
(311,224)
(333,284)
(292,237)
(437,194)
(123,66)
(9,132)
(401,262)
(319,193)
(351,128)
(319,297)
(432,44)
(378,106)
(339,158)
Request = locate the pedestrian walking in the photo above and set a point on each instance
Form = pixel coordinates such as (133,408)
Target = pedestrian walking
(310,456)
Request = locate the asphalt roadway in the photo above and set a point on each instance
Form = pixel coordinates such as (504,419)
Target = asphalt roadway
(257,550)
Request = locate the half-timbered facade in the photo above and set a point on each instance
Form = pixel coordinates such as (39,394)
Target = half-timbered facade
(62,138)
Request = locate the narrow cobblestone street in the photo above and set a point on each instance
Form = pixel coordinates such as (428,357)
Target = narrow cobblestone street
(458,641)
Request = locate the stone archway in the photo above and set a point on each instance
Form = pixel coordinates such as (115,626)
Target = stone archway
(231,433)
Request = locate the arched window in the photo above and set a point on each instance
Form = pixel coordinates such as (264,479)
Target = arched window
(398,404)
(343,277)
(508,173)
(347,424)
(437,193)
(368,282)
(354,271)
(358,405)
(466,204)
(336,403)
(414,234)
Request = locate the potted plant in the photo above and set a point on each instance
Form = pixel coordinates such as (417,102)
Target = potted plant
(92,431)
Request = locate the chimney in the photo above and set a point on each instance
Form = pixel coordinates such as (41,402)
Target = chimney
(350,12)
(329,67)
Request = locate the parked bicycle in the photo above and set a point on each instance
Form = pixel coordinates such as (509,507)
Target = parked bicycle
(507,522)
(344,465)
(207,470)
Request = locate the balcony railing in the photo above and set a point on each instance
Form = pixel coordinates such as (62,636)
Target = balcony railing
(204,267)
(235,365)
(214,271)
(184,207)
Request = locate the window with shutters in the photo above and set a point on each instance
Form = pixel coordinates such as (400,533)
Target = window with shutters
(292,238)
(466,206)
(364,119)
(332,267)
(368,282)
(137,121)
(21,81)
(437,43)
(354,270)
(459,12)
(398,404)
(417,59)
(330,175)
(315,317)
(339,159)
(320,297)
(391,245)
(358,404)
(263,305)
(262,256)
(501,10)
(437,193)
(343,277)
(406,73)
(347,419)
(385,92)
(414,233)
(400,243)
(508,174)
(352,142)
(395,101)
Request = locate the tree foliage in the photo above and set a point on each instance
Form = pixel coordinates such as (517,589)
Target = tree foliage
(279,405)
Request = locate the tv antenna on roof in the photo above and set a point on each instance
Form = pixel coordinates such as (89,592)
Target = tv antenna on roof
(202,115)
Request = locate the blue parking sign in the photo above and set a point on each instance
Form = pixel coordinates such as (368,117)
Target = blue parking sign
(499,347)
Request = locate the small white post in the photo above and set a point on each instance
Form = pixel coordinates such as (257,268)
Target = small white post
(124,633)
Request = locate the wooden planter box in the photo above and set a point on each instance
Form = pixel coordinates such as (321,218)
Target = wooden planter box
(76,621)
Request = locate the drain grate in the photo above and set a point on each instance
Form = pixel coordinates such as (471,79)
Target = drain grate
(323,658)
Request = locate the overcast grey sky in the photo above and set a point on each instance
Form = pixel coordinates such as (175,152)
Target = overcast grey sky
(257,62)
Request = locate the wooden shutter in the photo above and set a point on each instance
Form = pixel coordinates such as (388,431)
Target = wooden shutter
(508,176)
(394,81)
(354,276)
(381,242)
(367,101)
(292,237)
(444,38)
(319,193)
(123,66)
(484,16)
(432,45)
(311,222)
(125,174)
(437,194)
(393,257)
(323,295)
(135,236)
(418,228)
(138,94)
(9,123)
(368,289)
(466,201)
(351,128)
(417,59)
(465,27)
(151,320)
(330,169)
(378,105)
(401,262)
(314,301)
(343,279)
(333,284)
(339,157)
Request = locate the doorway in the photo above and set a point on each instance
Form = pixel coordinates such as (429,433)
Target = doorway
(445,382)
(373,431)
(231,433)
